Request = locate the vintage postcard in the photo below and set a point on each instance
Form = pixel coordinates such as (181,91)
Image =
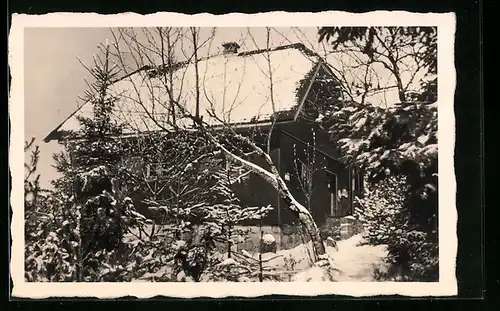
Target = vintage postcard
(234,155)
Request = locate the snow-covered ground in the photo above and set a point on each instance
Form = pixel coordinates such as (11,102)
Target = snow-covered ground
(351,262)
(357,263)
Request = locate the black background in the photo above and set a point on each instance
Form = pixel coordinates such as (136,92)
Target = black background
(473,280)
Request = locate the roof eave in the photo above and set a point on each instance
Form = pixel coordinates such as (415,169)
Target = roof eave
(61,135)
(54,135)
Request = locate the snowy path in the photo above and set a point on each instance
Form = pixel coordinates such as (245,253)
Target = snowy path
(357,263)
(353,263)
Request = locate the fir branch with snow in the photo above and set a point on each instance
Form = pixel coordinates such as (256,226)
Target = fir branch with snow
(90,169)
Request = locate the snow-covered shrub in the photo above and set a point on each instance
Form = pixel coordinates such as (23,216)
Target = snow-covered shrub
(231,270)
(329,241)
(48,238)
(381,210)
(40,239)
(268,243)
(412,253)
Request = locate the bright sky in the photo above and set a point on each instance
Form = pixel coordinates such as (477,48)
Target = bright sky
(54,77)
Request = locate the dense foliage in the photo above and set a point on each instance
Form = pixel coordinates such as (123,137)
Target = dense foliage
(401,140)
(413,253)
(398,140)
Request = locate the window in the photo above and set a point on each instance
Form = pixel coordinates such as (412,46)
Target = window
(358,183)
(353,181)
(361,185)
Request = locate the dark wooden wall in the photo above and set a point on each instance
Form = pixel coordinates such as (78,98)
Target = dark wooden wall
(287,137)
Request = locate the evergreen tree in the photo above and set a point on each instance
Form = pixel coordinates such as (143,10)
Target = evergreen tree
(323,94)
(90,184)
(412,250)
(39,226)
(401,140)
(49,240)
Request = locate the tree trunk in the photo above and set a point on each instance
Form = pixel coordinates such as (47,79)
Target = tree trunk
(229,241)
(261,268)
(305,219)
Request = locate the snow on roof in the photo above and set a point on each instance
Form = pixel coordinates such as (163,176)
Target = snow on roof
(237,87)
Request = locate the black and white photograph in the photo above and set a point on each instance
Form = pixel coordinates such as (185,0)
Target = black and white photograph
(226,155)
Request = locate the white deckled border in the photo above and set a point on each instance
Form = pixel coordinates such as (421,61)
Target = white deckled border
(447,285)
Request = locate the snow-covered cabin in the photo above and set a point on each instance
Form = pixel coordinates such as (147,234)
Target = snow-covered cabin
(236,86)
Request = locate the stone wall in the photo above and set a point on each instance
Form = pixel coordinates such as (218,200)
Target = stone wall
(350,226)
(288,236)
(251,244)
(341,228)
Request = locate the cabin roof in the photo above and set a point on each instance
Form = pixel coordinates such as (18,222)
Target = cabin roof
(236,87)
